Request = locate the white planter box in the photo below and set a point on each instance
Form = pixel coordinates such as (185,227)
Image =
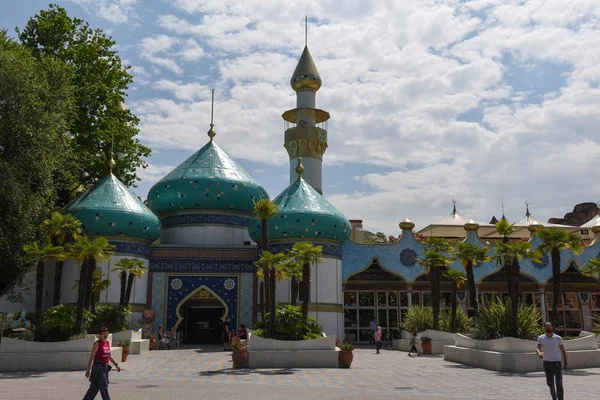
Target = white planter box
(439,339)
(256,343)
(517,355)
(271,353)
(24,346)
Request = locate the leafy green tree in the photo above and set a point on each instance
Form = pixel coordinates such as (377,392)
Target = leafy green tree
(305,254)
(101,82)
(506,230)
(265,209)
(60,229)
(88,253)
(458,279)
(471,256)
(592,268)
(39,255)
(434,259)
(98,285)
(129,269)
(35,103)
(509,254)
(554,241)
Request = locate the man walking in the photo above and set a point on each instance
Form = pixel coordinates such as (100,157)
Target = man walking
(550,347)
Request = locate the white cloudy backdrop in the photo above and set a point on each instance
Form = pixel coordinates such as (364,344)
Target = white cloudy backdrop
(483,101)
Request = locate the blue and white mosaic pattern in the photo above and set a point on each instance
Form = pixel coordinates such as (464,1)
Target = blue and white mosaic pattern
(197,265)
(214,219)
(332,250)
(397,257)
(246,298)
(140,250)
(190,284)
(158,298)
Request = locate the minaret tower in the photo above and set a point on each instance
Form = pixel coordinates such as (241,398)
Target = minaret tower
(306,125)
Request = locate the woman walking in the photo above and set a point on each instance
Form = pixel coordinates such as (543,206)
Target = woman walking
(377,336)
(98,367)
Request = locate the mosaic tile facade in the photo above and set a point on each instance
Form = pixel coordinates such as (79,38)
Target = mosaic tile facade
(332,250)
(158,298)
(214,219)
(246,298)
(138,249)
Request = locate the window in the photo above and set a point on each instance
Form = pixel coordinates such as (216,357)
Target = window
(568,318)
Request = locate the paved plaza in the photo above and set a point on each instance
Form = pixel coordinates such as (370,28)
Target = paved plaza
(203,373)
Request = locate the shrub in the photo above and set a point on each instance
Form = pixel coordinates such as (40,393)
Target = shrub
(493,320)
(290,325)
(59,322)
(596,329)
(417,319)
(111,316)
(462,322)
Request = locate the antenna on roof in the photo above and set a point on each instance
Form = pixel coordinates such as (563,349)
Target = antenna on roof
(306,30)
(211,133)
(454,207)
(527,214)
(503,217)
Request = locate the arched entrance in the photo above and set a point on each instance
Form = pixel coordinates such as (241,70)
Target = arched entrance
(201,317)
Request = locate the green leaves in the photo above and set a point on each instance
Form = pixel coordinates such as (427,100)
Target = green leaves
(265,209)
(591,268)
(494,319)
(466,252)
(558,239)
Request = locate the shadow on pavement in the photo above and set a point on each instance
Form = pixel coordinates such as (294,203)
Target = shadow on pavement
(21,375)
(246,371)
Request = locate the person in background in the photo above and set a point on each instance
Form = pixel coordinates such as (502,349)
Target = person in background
(98,367)
(413,346)
(227,334)
(550,347)
(243,333)
(372,327)
(163,342)
(377,338)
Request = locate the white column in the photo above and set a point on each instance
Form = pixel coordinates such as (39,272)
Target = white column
(542,292)
(409,295)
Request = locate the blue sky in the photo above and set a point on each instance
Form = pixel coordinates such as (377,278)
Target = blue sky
(483,101)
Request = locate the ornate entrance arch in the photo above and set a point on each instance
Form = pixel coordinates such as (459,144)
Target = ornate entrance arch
(192,294)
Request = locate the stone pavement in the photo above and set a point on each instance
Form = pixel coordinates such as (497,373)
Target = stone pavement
(206,373)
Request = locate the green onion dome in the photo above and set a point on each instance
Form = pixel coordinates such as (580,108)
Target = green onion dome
(109,209)
(208,180)
(303,214)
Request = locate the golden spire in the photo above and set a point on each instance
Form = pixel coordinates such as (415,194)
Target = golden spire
(211,133)
(299,168)
(306,75)
(111,163)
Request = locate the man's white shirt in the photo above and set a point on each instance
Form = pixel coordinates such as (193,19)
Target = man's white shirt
(551,347)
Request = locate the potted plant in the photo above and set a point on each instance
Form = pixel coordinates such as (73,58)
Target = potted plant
(125,344)
(239,353)
(426,344)
(346,356)
(152,340)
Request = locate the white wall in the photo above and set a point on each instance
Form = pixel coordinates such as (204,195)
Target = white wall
(212,235)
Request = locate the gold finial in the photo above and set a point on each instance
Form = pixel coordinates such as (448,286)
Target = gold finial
(471,226)
(299,167)
(111,163)
(211,132)
(407,224)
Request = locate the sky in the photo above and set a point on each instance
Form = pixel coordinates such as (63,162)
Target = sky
(486,102)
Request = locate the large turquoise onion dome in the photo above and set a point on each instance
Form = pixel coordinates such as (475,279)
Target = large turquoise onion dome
(109,209)
(303,214)
(208,180)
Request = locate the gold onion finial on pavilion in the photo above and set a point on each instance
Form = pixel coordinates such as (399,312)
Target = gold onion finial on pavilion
(407,224)
(211,132)
(111,163)
(299,168)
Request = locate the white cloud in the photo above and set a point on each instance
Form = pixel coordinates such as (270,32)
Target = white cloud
(422,87)
(115,11)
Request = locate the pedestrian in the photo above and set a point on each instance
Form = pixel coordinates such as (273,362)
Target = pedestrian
(227,334)
(413,346)
(377,338)
(243,333)
(550,347)
(372,328)
(98,367)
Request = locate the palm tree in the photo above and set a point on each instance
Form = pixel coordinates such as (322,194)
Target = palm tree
(87,253)
(592,268)
(98,285)
(458,279)
(305,254)
(136,270)
(39,255)
(506,230)
(434,258)
(509,254)
(122,266)
(291,270)
(471,256)
(265,209)
(554,241)
(60,229)
(272,263)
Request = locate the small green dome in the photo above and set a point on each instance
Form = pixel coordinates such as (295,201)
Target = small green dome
(208,180)
(109,209)
(303,213)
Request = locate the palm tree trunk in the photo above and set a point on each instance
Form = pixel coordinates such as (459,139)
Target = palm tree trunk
(508,267)
(58,272)
(305,289)
(89,283)
(261,295)
(123,277)
(435,296)
(269,277)
(471,285)
(129,288)
(453,318)
(514,299)
(79,322)
(39,293)
(272,302)
(294,289)
(556,284)
(93,303)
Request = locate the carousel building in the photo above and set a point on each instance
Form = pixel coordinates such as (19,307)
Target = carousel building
(198,237)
